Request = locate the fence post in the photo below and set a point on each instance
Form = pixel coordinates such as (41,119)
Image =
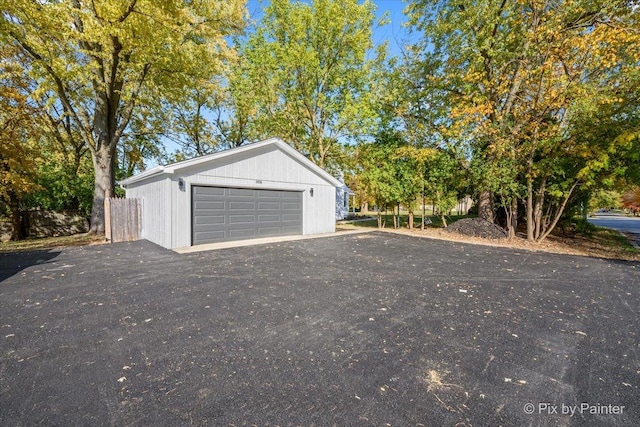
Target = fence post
(107,219)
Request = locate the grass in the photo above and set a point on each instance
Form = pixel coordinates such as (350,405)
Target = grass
(601,242)
(594,237)
(50,242)
(387,219)
(611,238)
(582,230)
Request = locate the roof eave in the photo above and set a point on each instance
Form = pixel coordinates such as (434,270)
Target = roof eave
(143,175)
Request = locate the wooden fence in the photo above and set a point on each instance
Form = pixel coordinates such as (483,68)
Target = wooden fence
(123,219)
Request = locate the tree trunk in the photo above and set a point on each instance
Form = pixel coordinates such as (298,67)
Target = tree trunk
(530,230)
(537,209)
(74,201)
(16,218)
(424,209)
(529,207)
(514,218)
(379,218)
(558,213)
(485,206)
(103,186)
(395,219)
(537,219)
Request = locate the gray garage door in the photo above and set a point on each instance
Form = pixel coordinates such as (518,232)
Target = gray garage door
(221,214)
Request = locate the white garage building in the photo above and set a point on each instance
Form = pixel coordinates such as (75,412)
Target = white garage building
(257,190)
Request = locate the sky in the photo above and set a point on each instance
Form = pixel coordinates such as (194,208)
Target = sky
(395,32)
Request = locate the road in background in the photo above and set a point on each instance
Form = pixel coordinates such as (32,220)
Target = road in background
(618,222)
(628,225)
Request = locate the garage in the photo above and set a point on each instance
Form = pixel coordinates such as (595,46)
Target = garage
(258,190)
(224,214)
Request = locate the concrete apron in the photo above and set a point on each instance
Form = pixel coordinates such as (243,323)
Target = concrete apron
(261,241)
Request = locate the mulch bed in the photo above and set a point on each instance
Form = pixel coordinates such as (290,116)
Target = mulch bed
(477,227)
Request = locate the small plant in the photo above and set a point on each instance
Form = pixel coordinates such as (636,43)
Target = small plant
(575,226)
(583,227)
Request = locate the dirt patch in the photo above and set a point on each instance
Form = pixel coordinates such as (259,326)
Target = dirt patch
(30,244)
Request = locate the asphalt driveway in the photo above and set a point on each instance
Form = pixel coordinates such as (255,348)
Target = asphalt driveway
(371,329)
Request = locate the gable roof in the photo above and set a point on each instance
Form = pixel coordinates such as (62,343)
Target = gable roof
(176,167)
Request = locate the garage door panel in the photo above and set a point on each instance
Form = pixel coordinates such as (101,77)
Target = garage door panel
(291,206)
(269,194)
(242,233)
(209,205)
(269,231)
(221,214)
(209,235)
(209,198)
(241,206)
(205,220)
(268,205)
(240,192)
(291,195)
(292,217)
(203,192)
(269,211)
(242,219)
(268,218)
(210,212)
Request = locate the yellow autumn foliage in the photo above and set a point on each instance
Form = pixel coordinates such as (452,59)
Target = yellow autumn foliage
(18,132)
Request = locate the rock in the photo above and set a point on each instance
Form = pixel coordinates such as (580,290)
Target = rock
(477,227)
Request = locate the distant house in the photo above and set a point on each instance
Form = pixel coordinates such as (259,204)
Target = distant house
(343,195)
(257,190)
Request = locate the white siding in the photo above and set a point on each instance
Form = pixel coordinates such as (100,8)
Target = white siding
(156,222)
(342,202)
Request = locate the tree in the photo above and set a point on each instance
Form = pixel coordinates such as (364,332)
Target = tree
(136,149)
(237,108)
(441,181)
(520,80)
(48,150)
(631,200)
(102,59)
(310,74)
(415,170)
(19,132)
(411,109)
(216,114)
(191,128)
(608,199)
(377,175)
(63,183)
(63,168)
